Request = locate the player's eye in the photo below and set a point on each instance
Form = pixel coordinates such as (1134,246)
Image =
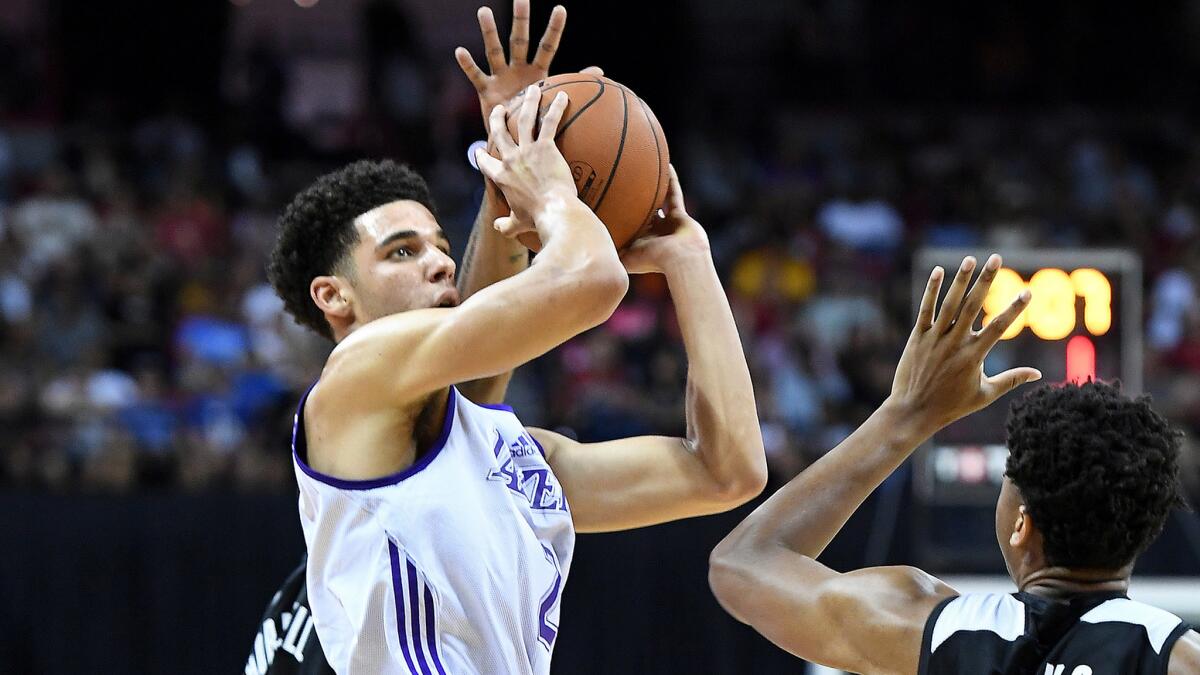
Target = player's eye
(402,252)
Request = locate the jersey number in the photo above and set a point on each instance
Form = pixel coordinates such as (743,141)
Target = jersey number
(547,629)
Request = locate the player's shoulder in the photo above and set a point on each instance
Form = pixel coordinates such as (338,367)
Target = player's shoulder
(890,598)
(1185,655)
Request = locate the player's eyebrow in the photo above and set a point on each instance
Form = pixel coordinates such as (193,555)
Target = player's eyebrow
(409,234)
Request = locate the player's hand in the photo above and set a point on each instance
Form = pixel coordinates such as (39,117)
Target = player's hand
(531,172)
(669,237)
(508,78)
(940,376)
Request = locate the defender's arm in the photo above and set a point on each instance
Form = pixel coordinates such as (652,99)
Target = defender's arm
(765,572)
(641,481)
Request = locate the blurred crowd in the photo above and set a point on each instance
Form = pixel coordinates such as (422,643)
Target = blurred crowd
(141,347)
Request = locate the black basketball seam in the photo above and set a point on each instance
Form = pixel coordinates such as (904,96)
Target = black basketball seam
(658,154)
(579,112)
(620,150)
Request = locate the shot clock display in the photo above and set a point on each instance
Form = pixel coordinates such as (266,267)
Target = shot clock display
(1084,321)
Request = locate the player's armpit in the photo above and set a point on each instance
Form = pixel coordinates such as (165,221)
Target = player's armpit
(636,482)
(865,621)
(398,359)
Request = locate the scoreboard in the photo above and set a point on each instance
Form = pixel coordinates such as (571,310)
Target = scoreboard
(1083,321)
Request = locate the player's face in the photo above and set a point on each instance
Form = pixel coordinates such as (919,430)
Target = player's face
(402,262)
(1007,509)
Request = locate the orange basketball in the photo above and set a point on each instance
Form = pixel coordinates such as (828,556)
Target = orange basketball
(616,151)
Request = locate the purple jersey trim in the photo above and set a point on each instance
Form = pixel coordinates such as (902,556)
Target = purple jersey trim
(398,592)
(300,448)
(431,631)
(496,406)
(414,616)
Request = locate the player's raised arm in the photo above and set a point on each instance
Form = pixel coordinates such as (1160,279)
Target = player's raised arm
(765,572)
(721,463)
(490,256)
(574,285)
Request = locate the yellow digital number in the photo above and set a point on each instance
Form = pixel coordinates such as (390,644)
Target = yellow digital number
(1093,287)
(1005,288)
(1051,312)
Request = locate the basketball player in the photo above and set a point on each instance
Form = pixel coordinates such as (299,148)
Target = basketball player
(1091,477)
(439,528)
(286,643)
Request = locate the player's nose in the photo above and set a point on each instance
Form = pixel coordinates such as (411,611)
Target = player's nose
(441,267)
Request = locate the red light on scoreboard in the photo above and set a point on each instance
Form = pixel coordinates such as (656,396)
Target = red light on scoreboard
(1081,359)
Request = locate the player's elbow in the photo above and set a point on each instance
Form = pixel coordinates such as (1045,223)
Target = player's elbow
(730,578)
(601,285)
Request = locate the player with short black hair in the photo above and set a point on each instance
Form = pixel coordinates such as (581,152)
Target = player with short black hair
(440,529)
(316,231)
(1098,472)
(1090,479)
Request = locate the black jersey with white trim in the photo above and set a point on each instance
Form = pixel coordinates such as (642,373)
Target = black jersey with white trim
(1025,634)
(286,643)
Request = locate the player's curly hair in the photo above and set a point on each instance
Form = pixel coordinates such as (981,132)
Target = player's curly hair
(316,231)
(1098,471)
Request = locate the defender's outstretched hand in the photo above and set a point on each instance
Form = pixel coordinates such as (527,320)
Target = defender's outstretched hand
(940,376)
(508,78)
(530,171)
(669,236)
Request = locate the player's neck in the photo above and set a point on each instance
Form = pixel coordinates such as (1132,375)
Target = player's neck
(1060,582)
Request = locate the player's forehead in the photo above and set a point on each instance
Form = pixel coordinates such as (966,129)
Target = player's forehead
(402,216)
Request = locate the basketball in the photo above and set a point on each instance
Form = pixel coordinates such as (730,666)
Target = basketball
(616,150)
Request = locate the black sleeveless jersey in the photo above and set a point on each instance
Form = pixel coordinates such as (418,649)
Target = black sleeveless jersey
(1024,634)
(287,643)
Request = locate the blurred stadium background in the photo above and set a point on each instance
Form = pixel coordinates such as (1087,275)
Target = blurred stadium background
(148,373)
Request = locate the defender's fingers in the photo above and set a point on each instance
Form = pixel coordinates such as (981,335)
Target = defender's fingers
(929,300)
(518,39)
(548,45)
(998,385)
(991,333)
(593,70)
(527,115)
(974,302)
(954,297)
(477,77)
(498,132)
(553,116)
(491,40)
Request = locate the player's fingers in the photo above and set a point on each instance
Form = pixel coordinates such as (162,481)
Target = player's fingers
(593,70)
(498,132)
(974,302)
(477,77)
(991,333)
(527,114)
(954,296)
(491,40)
(929,300)
(998,385)
(674,200)
(518,39)
(548,45)
(553,116)
(511,226)
(489,166)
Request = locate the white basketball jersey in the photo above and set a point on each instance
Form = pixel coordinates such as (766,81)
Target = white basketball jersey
(453,566)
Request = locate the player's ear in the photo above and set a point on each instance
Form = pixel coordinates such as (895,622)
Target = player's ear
(1022,529)
(333,296)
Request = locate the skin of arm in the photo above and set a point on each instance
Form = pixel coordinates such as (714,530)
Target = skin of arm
(641,481)
(1185,655)
(765,572)
(489,256)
